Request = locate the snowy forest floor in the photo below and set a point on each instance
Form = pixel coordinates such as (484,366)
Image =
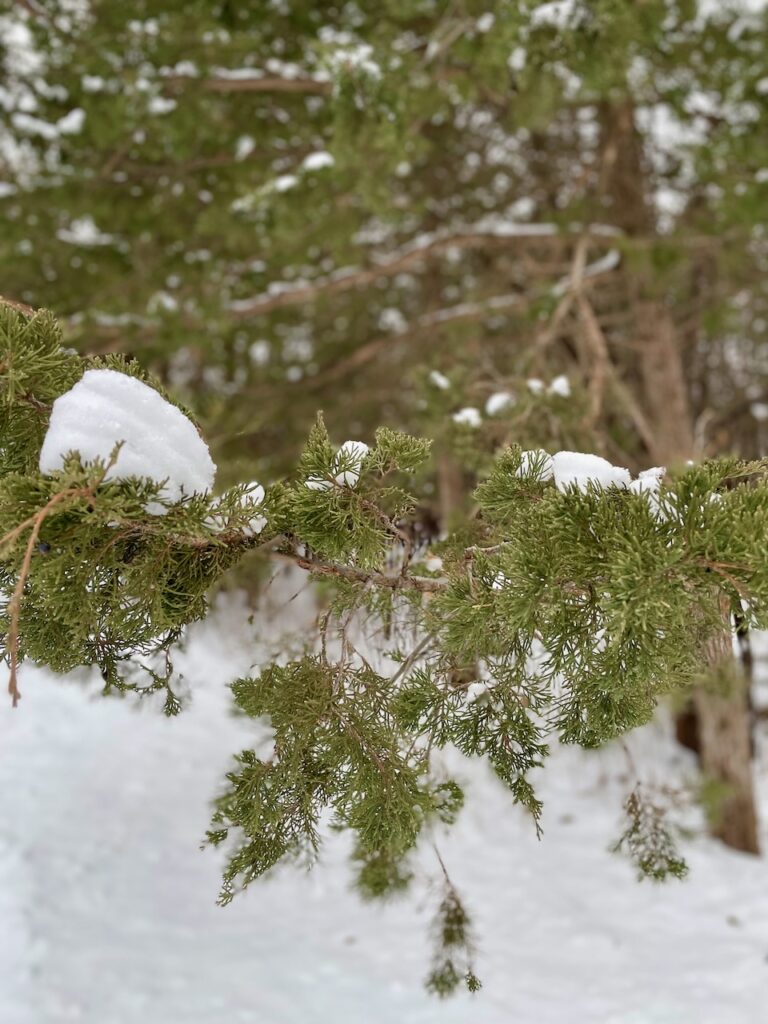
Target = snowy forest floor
(107,903)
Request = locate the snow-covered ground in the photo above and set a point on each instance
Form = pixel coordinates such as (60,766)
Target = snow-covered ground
(107,903)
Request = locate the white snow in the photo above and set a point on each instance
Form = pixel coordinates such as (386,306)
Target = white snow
(498,402)
(159,105)
(30,125)
(252,501)
(159,442)
(317,483)
(317,161)
(285,182)
(468,417)
(500,580)
(477,691)
(244,146)
(71,123)
(439,380)
(560,386)
(350,455)
(391,319)
(353,56)
(538,460)
(556,13)
(648,481)
(517,59)
(535,386)
(346,467)
(107,904)
(83,231)
(581,469)
(93,83)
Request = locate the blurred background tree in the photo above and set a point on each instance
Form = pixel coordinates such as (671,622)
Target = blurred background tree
(540,222)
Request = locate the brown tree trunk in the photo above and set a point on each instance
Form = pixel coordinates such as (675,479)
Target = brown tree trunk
(723,721)
(664,386)
(722,707)
(451,489)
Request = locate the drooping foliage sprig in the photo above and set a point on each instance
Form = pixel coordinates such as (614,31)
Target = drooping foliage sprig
(554,611)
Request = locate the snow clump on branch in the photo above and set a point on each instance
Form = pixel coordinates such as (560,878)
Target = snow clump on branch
(468,417)
(251,500)
(106,408)
(346,467)
(580,469)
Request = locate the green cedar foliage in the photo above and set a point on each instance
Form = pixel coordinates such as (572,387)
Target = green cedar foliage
(576,609)
(472,147)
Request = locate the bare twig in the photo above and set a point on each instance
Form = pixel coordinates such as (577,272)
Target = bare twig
(423,584)
(254,83)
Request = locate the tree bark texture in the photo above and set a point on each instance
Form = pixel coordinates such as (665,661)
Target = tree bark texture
(726,744)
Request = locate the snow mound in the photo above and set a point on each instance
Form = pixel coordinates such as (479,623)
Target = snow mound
(581,469)
(159,442)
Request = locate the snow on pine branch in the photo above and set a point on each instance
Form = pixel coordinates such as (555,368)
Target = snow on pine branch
(582,469)
(106,408)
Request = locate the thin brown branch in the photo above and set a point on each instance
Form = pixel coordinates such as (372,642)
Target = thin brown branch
(412,254)
(464,313)
(22,307)
(599,361)
(423,584)
(254,83)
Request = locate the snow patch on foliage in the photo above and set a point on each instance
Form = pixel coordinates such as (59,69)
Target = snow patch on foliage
(159,442)
(556,13)
(252,500)
(560,386)
(439,380)
(285,182)
(581,469)
(317,161)
(468,417)
(159,105)
(346,467)
(477,691)
(348,462)
(536,463)
(83,231)
(497,402)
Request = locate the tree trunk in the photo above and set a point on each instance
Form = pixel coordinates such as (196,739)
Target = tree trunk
(451,489)
(722,723)
(725,745)
(664,386)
